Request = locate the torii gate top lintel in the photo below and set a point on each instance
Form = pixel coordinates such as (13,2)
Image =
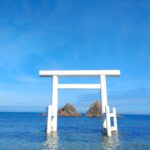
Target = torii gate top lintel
(47,73)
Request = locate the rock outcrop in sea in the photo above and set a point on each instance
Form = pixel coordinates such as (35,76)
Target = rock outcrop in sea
(95,110)
(68,110)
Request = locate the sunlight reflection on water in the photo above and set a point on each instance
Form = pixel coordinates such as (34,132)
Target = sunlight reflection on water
(107,143)
(51,142)
(110,143)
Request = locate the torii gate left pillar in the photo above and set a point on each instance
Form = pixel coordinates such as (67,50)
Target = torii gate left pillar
(106,114)
(54,102)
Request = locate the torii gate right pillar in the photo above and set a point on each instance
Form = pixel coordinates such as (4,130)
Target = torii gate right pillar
(103,99)
(106,115)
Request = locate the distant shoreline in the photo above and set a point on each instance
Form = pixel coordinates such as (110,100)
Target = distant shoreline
(21,112)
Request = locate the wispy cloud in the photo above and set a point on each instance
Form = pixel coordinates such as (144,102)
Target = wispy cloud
(125,101)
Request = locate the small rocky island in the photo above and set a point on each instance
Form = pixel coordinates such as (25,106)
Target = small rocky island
(95,110)
(68,110)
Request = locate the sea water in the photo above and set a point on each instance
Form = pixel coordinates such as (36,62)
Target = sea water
(26,131)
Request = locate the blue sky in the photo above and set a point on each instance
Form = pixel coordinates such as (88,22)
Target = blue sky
(74,35)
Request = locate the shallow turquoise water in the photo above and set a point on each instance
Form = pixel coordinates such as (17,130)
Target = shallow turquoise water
(26,131)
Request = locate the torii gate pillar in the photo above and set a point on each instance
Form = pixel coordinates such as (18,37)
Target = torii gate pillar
(54,102)
(52,109)
(103,98)
(106,115)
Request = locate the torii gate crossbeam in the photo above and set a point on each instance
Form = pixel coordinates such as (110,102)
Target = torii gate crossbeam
(52,109)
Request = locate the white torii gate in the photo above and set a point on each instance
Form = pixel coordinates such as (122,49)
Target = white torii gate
(52,109)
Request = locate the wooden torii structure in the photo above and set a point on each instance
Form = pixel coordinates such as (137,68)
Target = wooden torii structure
(106,114)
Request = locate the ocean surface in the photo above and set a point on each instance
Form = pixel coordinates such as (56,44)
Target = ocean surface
(26,131)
